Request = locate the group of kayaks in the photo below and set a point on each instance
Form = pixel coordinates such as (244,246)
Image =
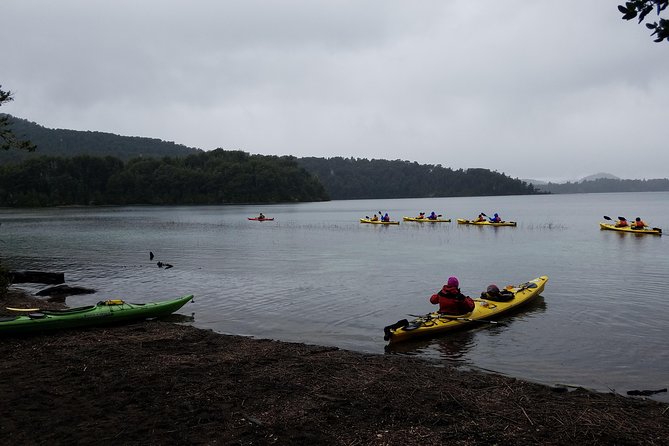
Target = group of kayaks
(438,219)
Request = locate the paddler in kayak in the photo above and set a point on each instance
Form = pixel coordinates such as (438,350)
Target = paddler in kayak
(374,218)
(421,215)
(385,217)
(432,216)
(495,218)
(638,224)
(622,222)
(493,293)
(261,216)
(480,218)
(451,300)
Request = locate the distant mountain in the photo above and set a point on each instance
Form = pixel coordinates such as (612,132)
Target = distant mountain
(599,176)
(606,185)
(534,182)
(69,143)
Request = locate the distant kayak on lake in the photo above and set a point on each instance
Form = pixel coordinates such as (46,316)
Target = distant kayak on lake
(464,221)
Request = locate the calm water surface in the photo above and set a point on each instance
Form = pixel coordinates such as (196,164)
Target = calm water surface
(316,275)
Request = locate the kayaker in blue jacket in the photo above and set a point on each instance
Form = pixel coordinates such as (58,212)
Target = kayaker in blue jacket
(385,217)
(432,216)
(495,219)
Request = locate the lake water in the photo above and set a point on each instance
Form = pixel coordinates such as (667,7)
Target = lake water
(317,275)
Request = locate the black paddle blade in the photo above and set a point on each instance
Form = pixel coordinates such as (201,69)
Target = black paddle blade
(483,214)
(621,218)
(606,217)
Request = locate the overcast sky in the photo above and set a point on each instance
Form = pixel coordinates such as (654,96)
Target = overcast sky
(545,89)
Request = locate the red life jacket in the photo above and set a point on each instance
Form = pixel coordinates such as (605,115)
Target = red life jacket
(452,301)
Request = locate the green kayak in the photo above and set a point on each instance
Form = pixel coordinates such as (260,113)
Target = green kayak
(105,312)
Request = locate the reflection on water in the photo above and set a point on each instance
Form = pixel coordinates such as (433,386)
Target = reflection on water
(316,275)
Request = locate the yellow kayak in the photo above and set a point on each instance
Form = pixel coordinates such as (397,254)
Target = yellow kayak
(378,222)
(427,220)
(646,230)
(435,323)
(464,221)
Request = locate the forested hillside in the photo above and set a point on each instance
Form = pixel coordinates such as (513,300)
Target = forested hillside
(349,178)
(607,185)
(68,143)
(214,177)
(103,168)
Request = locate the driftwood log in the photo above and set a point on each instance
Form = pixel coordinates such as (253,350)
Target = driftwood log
(37,277)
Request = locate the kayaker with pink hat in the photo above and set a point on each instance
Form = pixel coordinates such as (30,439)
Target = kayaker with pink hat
(451,300)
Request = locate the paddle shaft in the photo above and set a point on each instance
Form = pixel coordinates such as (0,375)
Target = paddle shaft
(441,316)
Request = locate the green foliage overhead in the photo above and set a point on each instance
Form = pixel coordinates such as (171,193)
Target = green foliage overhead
(639,9)
(214,177)
(349,178)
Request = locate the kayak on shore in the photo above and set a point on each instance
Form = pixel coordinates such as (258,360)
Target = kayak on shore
(378,222)
(629,229)
(427,220)
(435,323)
(105,312)
(464,221)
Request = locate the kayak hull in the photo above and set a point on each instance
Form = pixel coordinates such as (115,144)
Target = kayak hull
(260,219)
(464,221)
(433,324)
(103,313)
(611,227)
(378,222)
(427,220)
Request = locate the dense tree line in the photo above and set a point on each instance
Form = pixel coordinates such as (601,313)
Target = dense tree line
(355,178)
(606,185)
(68,143)
(212,177)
